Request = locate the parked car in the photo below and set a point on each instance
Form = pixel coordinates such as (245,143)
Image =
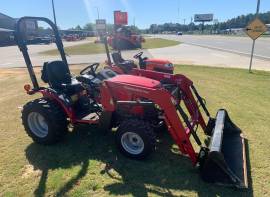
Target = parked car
(40,40)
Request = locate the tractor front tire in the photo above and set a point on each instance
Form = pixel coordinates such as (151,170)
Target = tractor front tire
(135,138)
(44,121)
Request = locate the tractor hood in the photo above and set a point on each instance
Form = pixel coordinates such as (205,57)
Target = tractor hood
(157,61)
(136,80)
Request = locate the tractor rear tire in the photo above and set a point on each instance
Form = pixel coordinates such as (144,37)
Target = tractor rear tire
(44,121)
(135,138)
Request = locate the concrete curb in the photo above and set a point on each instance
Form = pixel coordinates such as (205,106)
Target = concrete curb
(230,51)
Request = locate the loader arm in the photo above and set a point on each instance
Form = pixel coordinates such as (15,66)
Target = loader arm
(187,88)
(223,161)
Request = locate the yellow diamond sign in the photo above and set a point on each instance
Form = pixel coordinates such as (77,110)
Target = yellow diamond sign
(255,29)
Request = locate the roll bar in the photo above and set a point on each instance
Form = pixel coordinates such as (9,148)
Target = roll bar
(23,45)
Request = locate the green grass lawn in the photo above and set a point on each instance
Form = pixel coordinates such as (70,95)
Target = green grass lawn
(87,163)
(92,48)
(152,43)
(81,49)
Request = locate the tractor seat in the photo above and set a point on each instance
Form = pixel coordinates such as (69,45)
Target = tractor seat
(117,57)
(57,75)
(125,65)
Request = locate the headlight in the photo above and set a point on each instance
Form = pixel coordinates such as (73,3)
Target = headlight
(169,65)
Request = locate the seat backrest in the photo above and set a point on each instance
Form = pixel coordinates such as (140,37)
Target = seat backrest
(56,73)
(117,57)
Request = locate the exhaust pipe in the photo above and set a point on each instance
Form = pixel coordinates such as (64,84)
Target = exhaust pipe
(225,161)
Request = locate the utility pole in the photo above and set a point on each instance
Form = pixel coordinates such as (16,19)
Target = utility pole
(178,11)
(202,26)
(54,17)
(191,20)
(134,21)
(97,12)
(253,43)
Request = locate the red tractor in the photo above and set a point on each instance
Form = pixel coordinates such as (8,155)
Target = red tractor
(135,105)
(123,39)
(122,66)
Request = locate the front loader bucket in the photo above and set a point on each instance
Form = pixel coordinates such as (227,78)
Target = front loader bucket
(225,162)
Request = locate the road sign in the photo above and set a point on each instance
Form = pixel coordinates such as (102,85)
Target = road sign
(203,17)
(255,29)
(101,24)
(120,18)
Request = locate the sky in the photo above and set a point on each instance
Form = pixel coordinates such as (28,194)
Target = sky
(143,12)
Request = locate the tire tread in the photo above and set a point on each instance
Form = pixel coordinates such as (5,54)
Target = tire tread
(56,116)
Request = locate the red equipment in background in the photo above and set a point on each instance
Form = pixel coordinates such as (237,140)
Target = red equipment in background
(72,37)
(120,18)
(123,37)
(123,66)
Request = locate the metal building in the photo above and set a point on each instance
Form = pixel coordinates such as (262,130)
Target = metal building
(7,25)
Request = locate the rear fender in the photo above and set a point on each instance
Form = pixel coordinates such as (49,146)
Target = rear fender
(63,102)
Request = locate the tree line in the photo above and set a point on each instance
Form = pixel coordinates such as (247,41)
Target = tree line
(109,28)
(215,26)
(237,22)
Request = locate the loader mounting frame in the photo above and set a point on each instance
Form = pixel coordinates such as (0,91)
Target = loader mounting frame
(213,159)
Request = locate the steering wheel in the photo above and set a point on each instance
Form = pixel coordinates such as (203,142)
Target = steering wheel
(90,70)
(138,55)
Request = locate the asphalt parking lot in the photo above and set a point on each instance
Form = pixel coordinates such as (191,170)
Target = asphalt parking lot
(11,57)
(216,51)
(234,44)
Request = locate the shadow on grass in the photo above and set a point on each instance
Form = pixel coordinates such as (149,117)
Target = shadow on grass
(260,73)
(165,173)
